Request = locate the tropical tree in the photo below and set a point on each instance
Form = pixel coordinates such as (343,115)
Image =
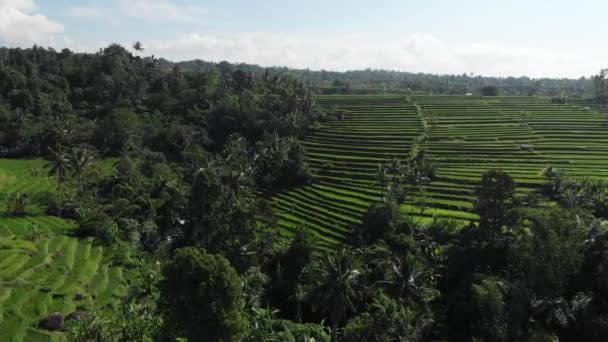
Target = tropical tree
(496,196)
(554,178)
(390,176)
(79,159)
(336,288)
(202,296)
(387,319)
(600,83)
(380,221)
(138,46)
(410,280)
(16,203)
(58,165)
(419,172)
(266,327)
(489,90)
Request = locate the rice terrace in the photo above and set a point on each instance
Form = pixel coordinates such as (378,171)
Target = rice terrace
(463,135)
(42,268)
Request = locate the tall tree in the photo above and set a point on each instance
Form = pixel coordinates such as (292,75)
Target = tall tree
(79,159)
(202,296)
(496,196)
(58,165)
(138,46)
(336,289)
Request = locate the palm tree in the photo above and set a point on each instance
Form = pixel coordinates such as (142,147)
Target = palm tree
(78,160)
(410,282)
(554,178)
(336,288)
(299,295)
(58,164)
(138,46)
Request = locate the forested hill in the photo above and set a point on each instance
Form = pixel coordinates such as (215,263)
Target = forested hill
(115,100)
(373,81)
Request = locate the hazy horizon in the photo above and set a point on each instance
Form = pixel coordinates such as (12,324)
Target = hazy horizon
(503,40)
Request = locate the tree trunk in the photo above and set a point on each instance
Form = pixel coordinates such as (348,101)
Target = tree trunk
(334,331)
(299,311)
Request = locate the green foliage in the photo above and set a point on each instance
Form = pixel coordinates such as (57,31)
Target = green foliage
(281,162)
(118,131)
(16,203)
(410,280)
(495,199)
(554,250)
(265,327)
(488,302)
(380,221)
(288,270)
(202,296)
(600,83)
(373,81)
(221,205)
(385,320)
(74,161)
(587,193)
(96,223)
(337,288)
(126,323)
(201,150)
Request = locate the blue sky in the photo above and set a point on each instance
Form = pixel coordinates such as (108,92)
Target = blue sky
(503,38)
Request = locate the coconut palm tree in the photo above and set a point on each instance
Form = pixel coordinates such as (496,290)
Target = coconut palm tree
(138,46)
(410,281)
(78,160)
(336,289)
(58,165)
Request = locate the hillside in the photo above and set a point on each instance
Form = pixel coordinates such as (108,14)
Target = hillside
(464,137)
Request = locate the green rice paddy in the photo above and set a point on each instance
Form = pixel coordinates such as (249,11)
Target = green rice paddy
(53,272)
(463,135)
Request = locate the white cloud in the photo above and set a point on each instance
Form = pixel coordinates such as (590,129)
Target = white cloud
(160,10)
(416,53)
(20,24)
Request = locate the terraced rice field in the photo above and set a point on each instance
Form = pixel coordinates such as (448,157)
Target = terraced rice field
(53,272)
(472,135)
(465,136)
(345,154)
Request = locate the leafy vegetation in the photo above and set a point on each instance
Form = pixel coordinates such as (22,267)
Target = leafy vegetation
(146,200)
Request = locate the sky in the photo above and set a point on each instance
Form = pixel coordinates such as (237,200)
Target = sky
(548,38)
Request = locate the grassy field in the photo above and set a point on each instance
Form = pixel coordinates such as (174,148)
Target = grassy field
(53,272)
(465,136)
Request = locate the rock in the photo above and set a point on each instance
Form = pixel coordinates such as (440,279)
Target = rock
(53,322)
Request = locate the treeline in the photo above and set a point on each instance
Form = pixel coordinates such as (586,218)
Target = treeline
(374,81)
